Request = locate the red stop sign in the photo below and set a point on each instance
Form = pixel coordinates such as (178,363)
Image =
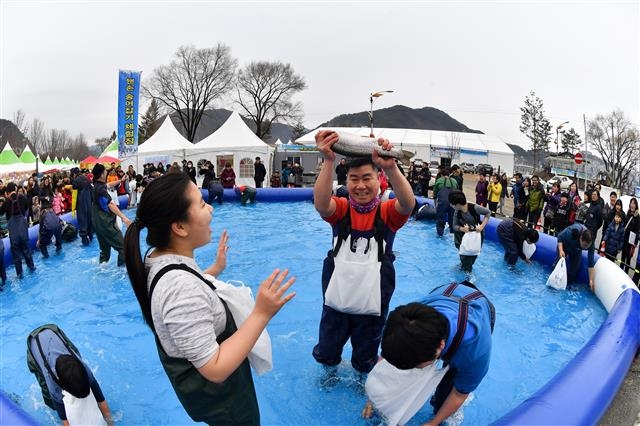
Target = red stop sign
(578,158)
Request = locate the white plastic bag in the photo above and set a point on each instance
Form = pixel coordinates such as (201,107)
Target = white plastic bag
(82,411)
(240,301)
(528,249)
(558,278)
(398,394)
(471,244)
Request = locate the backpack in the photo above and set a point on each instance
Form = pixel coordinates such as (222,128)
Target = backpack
(581,212)
(69,232)
(33,365)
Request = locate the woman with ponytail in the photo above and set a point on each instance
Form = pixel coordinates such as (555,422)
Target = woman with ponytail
(201,349)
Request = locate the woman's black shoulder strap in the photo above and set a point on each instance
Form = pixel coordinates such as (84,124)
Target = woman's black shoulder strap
(173,267)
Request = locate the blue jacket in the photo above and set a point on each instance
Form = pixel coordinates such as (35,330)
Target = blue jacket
(474,353)
(570,239)
(614,238)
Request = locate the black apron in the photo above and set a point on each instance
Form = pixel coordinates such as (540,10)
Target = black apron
(232,402)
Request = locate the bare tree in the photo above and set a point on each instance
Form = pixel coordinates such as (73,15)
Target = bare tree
(57,143)
(20,120)
(103,143)
(618,143)
(37,135)
(78,148)
(453,145)
(264,91)
(191,82)
(535,125)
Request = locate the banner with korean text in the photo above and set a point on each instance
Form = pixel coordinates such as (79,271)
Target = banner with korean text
(128,95)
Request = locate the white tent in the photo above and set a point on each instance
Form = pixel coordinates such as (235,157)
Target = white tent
(166,145)
(234,142)
(430,145)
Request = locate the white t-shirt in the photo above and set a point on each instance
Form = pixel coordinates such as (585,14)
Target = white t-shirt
(186,312)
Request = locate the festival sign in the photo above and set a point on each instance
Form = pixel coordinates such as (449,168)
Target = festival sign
(128,95)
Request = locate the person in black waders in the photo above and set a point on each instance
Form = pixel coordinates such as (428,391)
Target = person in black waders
(67,384)
(103,215)
(358,276)
(453,323)
(16,208)
(203,352)
(82,184)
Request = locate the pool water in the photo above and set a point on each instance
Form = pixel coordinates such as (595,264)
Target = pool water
(537,330)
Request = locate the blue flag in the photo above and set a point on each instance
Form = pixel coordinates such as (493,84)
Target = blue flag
(128,94)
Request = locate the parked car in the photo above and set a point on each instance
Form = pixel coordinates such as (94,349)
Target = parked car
(467,167)
(434,164)
(564,181)
(484,169)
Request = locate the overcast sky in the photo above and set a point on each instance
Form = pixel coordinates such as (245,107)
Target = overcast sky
(475,60)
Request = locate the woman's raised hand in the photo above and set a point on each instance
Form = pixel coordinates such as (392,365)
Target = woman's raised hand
(271,293)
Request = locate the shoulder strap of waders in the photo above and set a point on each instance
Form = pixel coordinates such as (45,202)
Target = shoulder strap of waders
(186,268)
(344,230)
(463,316)
(63,338)
(173,267)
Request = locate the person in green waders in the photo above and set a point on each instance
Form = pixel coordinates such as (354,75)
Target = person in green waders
(103,215)
(203,352)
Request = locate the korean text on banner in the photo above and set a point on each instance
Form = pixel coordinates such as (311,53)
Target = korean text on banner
(128,94)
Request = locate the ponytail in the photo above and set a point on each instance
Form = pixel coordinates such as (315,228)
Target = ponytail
(136,270)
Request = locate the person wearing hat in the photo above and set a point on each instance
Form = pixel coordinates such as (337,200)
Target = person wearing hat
(81,183)
(103,215)
(260,172)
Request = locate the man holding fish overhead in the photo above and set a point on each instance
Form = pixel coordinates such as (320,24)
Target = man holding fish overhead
(358,276)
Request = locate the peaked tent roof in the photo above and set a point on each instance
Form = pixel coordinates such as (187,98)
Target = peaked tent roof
(234,133)
(111,149)
(27,156)
(166,139)
(8,156)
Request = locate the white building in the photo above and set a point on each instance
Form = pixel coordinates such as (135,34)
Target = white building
(435,145)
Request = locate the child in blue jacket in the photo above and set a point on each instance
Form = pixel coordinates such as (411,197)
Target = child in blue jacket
(614,237)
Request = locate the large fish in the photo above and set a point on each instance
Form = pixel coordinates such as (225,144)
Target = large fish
(351,145)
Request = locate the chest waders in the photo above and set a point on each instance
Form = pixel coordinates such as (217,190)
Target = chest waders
(36,369)
(232,402)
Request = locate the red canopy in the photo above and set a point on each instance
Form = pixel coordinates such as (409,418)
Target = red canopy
(107,159)
(90,159)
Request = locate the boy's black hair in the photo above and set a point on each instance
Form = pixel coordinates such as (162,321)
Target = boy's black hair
(359,162)
(457,197)
(586,236)
(412,335)
(531,235)
(73,376)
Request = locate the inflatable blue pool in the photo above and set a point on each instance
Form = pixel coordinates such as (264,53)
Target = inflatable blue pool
(599,367)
